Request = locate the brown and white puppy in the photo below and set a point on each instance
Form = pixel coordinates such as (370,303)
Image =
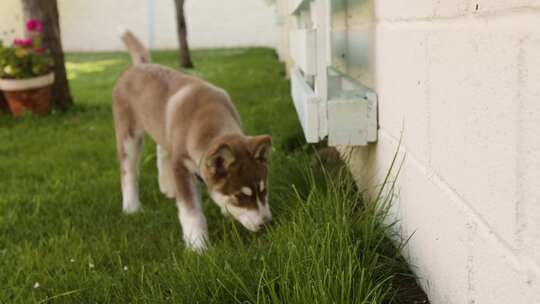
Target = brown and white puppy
(198,133)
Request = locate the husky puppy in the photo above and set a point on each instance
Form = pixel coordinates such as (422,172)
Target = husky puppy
(198,134)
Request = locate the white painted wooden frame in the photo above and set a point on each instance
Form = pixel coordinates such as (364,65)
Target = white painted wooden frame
(306,104)
(352,111)
(309,45)
(321,10)
(329,103)
(296,5)
(303,49)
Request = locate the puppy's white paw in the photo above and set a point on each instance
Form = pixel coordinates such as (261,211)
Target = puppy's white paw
(166,184)
(169,194)
(130,207)
(194,230)
(167,189)
(197,243)
(196,236)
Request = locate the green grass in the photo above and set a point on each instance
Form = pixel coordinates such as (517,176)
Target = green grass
(61,223)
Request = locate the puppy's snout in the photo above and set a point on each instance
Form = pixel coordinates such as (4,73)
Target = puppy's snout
(265,221)
(260,224)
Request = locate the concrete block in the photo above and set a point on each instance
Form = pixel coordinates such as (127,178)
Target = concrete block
(469,188)
(472,92)
(495,278)
(400,10)
(449,9)
(359,161)
(491,6)
(402,85)
(529,149)
(438,248)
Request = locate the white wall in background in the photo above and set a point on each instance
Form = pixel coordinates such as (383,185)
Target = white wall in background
(11,20)
(91,25)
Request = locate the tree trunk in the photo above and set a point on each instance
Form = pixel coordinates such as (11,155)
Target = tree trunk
(47,12)
(3,104)
(185,58)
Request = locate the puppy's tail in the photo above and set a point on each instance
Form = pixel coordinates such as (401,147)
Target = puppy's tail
(139,54)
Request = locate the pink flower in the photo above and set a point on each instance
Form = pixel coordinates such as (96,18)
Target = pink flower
(23,42)
(34,25)
(40,50)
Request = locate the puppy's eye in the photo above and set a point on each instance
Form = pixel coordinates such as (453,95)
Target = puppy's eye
(242,198)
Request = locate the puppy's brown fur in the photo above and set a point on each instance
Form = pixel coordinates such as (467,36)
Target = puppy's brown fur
(197,130)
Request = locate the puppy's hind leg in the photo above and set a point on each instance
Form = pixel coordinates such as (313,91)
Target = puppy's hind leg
(130,173)
(165,172)
(129,140)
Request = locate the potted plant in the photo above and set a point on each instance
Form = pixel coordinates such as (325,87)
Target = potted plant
(26,73)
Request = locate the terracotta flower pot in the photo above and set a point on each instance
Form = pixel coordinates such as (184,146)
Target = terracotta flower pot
(33,94)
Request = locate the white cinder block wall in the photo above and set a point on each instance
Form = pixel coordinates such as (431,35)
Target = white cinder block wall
(462,79)
(92,25)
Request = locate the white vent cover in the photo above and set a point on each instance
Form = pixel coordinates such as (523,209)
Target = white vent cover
(329,103)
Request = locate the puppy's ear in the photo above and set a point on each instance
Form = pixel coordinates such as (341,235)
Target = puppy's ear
(261,147)
(219,160)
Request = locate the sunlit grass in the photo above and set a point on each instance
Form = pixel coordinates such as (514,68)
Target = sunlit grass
(63,238)
(92,67)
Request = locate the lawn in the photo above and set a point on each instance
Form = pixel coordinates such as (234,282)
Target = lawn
(64,239)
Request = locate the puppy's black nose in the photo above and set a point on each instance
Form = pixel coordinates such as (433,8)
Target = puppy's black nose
(267,219)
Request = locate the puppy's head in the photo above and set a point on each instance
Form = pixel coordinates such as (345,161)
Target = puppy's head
(235,170)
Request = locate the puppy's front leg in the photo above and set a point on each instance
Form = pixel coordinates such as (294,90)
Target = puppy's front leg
(190,211)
